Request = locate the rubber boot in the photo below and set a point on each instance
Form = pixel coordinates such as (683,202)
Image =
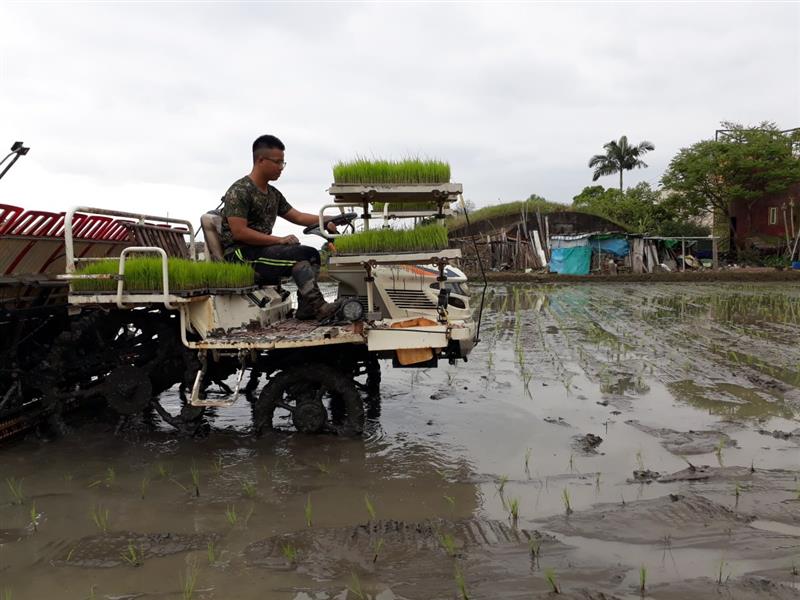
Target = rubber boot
(311,303)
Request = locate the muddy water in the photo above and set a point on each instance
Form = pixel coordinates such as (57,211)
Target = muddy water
(693,389)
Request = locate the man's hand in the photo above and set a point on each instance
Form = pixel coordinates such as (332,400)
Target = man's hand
(289,240)
(330,226)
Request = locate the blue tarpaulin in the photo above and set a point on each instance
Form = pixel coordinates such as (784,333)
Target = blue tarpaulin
(615,246)
(571,261)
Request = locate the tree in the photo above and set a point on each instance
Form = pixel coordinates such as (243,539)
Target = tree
(640,209)
(619,157)
(742,167)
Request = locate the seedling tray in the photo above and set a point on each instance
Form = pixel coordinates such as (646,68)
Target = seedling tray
(423,192)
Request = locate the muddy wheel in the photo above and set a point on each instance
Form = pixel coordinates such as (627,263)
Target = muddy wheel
(128,389)
(313,398)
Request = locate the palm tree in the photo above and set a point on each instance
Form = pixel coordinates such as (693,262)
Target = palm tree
(619,157)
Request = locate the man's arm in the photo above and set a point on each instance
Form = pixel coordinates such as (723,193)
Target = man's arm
(245,235)
(300,218)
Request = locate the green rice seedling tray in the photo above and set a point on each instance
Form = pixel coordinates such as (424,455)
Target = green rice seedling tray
(409,171)
(143,276)
(387,241)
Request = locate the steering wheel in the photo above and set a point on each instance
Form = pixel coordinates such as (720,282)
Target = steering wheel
(342,219)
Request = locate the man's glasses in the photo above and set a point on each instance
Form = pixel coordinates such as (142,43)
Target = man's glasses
(280,163)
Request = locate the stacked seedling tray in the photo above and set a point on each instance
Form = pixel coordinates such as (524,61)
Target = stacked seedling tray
(385,190)
(411,187)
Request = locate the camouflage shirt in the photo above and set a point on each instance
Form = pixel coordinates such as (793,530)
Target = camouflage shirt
(244,199)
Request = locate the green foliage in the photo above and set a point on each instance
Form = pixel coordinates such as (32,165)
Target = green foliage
(639,209)
(144,274)
(426,237)
(410,171)
(619,157)
(741,167)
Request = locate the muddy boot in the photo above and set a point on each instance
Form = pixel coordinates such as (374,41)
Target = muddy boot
(311,303)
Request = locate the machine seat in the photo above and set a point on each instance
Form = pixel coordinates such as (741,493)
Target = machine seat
(211,222)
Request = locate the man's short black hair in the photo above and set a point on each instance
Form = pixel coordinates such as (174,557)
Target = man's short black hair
(266,142)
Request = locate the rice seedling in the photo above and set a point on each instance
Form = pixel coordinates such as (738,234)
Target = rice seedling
(211,552)
(92,593)
(527,461)
(642,579)
(107,480)
(448,542)
(419,239)
(132,556)
(597,482)
(230,515)
(249,489)
(308,511)
(640,460)
(144,274)
(501,484)
(571,463)
(162,470)
(216,466)
(144,486)
(15,487)
(100,517)
(370,507)
(720,572)
(289,552)
(6,594)
(378,546)
(461,583)
(718,450)
(567,503)
(552,580)
(513,510)
(189,580)
(451,501)
(411,170)
(195,472)
(34,517)
(355,587)
(535,549)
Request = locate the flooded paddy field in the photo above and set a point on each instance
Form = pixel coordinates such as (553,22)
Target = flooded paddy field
(610,441)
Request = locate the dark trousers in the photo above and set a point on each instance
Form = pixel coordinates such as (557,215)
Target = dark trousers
(273,262)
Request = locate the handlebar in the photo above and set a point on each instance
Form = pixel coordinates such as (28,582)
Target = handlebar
(342,219)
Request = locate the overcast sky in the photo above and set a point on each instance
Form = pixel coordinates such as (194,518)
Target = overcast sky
(153,106)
